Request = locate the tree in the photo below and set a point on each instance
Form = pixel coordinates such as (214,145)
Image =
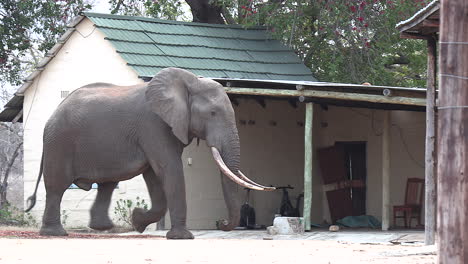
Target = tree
(164,9)
(340,40)
(28,29)
(350,41)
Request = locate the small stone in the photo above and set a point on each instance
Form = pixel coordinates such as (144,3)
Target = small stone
(271,230)
(289,225)
(334,228)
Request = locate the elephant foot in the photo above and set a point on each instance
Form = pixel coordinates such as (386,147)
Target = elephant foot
(101,224)
(52,230)
(179,233)
(141,218)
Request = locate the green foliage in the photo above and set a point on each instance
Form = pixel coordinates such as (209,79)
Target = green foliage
(123,209)
(164,9)
(350,41)
(10,215)
(29,28)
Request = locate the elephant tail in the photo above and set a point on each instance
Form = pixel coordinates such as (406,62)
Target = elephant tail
(32,199)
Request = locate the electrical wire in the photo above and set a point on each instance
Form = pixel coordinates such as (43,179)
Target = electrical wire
(455,42)
(32,101)
(400,133)
(86,35)
(373,125)
(453,76)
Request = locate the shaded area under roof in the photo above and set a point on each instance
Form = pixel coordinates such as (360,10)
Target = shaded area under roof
(12,109)
(222,51)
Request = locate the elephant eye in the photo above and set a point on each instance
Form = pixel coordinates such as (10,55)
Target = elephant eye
(213,113)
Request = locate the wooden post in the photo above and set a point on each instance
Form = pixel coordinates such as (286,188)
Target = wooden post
(308,148)
(386,172)
(452,200)
(431,159)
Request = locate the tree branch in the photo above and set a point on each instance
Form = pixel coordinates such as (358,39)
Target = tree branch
(117,7)
(9,128)
(227,16)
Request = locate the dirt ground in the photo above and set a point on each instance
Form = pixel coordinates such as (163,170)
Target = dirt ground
(26,247)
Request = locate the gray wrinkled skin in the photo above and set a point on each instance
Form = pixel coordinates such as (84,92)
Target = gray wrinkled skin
(103,133)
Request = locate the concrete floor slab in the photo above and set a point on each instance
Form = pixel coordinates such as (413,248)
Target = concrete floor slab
(361,236)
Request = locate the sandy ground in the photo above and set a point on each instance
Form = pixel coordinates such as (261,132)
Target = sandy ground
(156,249)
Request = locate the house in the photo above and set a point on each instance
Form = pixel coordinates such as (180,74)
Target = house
(278,104)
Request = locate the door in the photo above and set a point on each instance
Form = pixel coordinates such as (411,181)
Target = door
(343,168)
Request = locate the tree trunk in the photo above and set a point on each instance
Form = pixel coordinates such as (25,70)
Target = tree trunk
(205,11)
(453,130)
(4,183)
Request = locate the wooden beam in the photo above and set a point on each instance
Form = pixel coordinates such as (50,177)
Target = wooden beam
(374,98)
(18,116)
(261,102)
(408,35)
(431,23)
(308,150)
(431,158)
(293,103)
(452,188)
(386,172)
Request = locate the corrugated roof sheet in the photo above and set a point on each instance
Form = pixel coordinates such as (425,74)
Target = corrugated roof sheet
(217,51)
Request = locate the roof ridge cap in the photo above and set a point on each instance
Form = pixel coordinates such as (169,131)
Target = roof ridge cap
(164,21)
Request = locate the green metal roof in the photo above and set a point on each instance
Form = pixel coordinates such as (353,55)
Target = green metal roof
(218,51)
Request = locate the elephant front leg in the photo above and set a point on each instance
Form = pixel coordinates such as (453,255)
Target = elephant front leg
(100,219)
(141,218)
(174,186)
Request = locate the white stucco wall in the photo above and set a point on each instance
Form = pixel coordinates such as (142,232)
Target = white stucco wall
(271,154)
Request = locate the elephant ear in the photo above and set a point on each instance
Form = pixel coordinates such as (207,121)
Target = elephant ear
(168,95)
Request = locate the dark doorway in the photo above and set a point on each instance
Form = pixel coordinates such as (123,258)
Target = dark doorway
(344,174)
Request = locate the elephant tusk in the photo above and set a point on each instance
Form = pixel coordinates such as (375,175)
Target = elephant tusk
(252,182)
(226,171)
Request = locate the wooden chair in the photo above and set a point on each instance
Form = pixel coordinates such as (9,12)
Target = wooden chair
(413,202)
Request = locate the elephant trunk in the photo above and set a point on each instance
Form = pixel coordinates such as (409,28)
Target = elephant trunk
(230,154)
(229,162)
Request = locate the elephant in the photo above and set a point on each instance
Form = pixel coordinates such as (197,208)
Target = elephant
(104,133)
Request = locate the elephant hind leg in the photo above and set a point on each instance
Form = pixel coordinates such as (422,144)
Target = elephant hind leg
(141,218)
(51,225)
(100,219)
